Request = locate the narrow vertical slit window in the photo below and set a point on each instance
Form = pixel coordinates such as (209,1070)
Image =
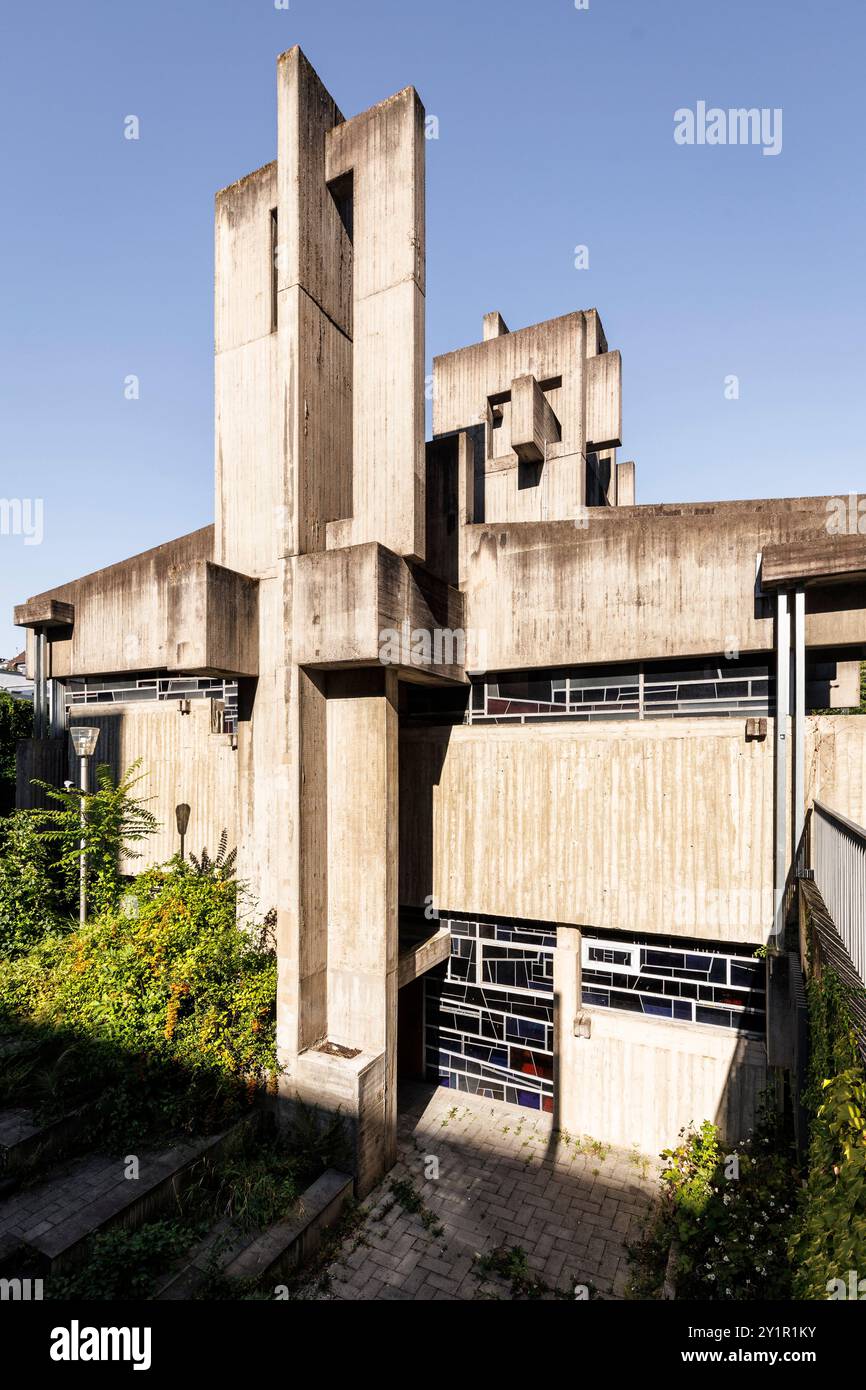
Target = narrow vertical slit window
(342,190)
(275,253)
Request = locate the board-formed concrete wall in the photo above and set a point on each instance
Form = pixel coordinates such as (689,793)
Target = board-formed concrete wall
(647,826)
(182,761)
(836,763)
(652,826)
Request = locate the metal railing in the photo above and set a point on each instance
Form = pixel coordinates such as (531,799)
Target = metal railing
(838,851)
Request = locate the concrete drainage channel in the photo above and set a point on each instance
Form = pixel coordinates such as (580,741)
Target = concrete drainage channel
(47,1229)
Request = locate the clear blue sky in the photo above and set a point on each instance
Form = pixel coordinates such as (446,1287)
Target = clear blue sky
(556,129)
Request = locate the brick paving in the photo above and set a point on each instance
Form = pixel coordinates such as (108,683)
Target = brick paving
(505,1180)
(33,1211)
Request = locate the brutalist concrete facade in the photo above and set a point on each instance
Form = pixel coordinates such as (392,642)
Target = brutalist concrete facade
(369,592)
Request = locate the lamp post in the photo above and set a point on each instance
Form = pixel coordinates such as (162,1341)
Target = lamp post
(181,815)
(84,742)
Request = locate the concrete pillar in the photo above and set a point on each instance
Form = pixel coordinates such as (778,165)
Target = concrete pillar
(338,987)
(494,326)
(382,151)
(363,827)
(625,485)
(569,1049)
(40,686)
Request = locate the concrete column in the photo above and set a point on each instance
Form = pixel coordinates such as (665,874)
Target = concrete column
(40,689)
(493,326)
(569,1050)
(383,150)
(363,825)
(625,484)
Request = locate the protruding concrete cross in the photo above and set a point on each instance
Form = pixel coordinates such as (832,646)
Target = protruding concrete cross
(533,423)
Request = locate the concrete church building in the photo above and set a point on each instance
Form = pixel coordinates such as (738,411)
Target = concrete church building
(519,763)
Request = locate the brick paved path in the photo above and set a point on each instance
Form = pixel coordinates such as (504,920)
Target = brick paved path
(505,1181)
(33,1211)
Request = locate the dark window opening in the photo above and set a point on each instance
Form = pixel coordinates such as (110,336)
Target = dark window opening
(342,190)
(275,279)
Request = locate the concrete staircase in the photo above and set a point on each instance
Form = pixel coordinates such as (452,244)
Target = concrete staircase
(47,1226)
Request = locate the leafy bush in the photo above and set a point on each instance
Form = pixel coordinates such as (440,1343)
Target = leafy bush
(115,821)
(40,857)
(169,1004)
(689,1174)
(831,1239)
(124,1264)
(732,1216)
(223,866)
(16,722)
(32,894)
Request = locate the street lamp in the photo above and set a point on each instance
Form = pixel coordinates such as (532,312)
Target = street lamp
(84,741)
(181,815)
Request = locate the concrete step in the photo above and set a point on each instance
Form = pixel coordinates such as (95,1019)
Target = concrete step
(26,1141)
(273,1253)
(217,1248)
(278,1251)
(54,1220)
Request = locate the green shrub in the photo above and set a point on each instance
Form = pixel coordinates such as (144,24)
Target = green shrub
(688,1176)
(831,1235)
(115,821)
(170,1006)
(16,722)
(33,896)
(730,1214)
(124,1265)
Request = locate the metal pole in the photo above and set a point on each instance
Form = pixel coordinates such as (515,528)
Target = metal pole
(39,685)
(799,815)
(783,699)
(82,895)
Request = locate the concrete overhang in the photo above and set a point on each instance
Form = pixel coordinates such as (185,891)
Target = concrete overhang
(43,613)
(837,560)
(651,582)
(170,609)
(365,606)
(417,958)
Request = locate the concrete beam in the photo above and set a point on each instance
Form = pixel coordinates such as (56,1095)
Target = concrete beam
(823,560)
(44,612)
(363,606)
(658,582)
(417,960)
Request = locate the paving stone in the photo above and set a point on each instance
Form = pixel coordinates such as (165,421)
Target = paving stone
(523,1187)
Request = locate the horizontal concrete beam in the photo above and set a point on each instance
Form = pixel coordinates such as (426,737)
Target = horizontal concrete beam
(44,612)
(826,560)
(417,960)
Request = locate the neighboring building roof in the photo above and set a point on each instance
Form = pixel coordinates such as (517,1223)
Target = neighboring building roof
(17,685)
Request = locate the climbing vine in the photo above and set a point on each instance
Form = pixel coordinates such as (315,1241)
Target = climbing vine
(831,1237)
